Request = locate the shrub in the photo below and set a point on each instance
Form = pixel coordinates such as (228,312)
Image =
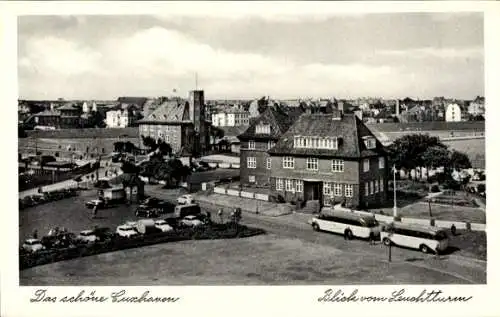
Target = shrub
(451,184)
(435,189)
(481,188)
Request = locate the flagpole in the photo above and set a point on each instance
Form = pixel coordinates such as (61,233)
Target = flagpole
(395,210)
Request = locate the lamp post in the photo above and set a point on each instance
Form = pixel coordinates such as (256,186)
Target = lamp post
(395,208)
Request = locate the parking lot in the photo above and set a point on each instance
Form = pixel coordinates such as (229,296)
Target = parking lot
(71,214)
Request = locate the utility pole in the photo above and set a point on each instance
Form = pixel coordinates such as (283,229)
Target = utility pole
(395,210)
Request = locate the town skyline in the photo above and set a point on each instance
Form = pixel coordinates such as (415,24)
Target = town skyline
(393,56)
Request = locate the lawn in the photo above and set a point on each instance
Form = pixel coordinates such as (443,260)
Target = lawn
(471,243)
(259,260)
(443,212)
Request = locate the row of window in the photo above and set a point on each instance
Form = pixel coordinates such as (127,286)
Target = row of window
(312,163)
(329,189)
(302,142)
(374,187)
(252,162)
(263,129)
(290,185)
(251,145)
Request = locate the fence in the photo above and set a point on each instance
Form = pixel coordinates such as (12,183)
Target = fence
(423,222)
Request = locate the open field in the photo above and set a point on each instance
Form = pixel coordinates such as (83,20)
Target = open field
(132,132)
(258,260)
(429,126)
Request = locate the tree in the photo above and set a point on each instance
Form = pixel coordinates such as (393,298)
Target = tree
(262,104)
(459,160)
(96,120)
(129,168)
(149,142)
(407,150)
(119,146)
(129,147)
(165,148)
(21,133)
(435,156)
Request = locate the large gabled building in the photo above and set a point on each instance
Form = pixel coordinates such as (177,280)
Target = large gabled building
(330,158)
(262,134)
(181,123)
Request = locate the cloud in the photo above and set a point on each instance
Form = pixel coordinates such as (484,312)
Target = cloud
(444,53)
(57,56)
(153,60)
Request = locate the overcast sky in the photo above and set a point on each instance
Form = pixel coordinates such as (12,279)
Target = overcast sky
(381,55)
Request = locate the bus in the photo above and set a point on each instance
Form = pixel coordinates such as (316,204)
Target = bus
(347,223)
(423,238)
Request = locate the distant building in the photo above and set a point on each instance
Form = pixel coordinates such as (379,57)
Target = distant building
(235,116)
(180,123)
(453,113)
(253,109)
(70,116)
(329,158)
(262,134)
(476,107)
(118,118)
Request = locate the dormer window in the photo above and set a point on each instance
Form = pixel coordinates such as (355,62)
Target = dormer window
(263,129)
(310,142)
(370,142)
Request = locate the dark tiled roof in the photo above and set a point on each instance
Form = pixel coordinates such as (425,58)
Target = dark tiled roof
(69,106)
(48,113)
(140,101)
(350,129)
(279,118)
(169,112)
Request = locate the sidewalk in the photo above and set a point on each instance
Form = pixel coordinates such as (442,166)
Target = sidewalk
(247,205)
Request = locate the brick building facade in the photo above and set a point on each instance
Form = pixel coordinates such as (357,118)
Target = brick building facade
(258,139)
(332,158)
(180,123)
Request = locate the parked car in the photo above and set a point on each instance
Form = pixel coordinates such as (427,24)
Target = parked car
(87,236)
(205,165)
(191,221)
(103,233)
(126,231)
(153,207)
(100,203)
(163,226)
(59,240)
(32,245)
(185,199)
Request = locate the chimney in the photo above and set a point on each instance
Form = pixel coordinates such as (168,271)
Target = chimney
(397,107)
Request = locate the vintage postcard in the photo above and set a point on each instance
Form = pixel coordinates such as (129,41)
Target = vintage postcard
(307,156)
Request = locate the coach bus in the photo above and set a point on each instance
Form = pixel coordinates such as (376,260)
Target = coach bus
(423,238)
(349,224)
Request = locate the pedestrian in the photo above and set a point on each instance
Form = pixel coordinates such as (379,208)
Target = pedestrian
(94,214)
(220,213)
(35,234)
(372,239)
(453,230)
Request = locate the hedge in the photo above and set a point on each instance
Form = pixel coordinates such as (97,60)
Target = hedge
(226,231)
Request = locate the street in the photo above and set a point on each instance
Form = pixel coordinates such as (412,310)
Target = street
(72,214)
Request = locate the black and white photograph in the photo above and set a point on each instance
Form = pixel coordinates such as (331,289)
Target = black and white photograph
(335,149)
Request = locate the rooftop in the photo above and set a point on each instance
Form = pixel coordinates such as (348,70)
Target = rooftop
(348,129)
(169,112)
(279,118)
